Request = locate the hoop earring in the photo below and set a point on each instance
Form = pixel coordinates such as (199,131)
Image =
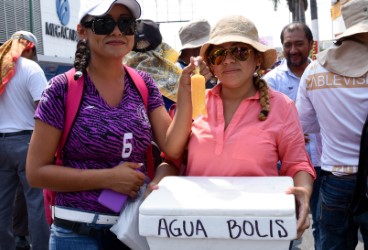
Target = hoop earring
(256,72)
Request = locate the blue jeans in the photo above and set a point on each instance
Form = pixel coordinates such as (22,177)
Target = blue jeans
(62,238)
(338,227)
(313,208)
(13,153)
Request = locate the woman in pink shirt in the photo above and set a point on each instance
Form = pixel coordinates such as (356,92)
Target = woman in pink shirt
(249,127)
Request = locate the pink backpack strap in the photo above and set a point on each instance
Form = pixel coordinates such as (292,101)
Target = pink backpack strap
(142,88)
(73,99)
(139,83)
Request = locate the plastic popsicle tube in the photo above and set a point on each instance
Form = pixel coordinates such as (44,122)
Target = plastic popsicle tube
(198,88)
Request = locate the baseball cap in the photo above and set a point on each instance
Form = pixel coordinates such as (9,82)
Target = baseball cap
(101,7)
(147,35)
(25,35)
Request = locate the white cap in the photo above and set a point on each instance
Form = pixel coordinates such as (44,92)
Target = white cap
(25,35)
(101,7)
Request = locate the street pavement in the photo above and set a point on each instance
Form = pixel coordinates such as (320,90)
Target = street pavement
(307,241)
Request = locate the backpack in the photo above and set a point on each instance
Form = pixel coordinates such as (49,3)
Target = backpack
(359,203)
(71,110)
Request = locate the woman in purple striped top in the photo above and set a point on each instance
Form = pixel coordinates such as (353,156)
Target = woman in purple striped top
(111,130)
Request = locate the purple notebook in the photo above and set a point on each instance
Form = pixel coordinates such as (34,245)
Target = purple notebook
(113,200)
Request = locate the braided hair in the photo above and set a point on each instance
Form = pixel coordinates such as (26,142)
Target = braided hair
(262,86)
(82,57)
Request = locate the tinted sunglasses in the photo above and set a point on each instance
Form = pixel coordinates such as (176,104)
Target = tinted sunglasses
(105,25)
(218,55)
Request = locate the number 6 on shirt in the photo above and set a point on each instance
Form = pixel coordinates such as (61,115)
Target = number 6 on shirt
(127,146)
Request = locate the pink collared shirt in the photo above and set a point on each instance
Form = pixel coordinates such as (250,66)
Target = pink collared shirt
(248,146)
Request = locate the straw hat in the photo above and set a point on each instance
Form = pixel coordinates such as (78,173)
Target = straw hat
(194,34)
(236,28)
(355,15)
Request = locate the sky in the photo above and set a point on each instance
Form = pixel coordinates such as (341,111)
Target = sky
(172,14)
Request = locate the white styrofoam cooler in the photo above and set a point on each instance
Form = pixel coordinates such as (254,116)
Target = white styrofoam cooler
(219,213)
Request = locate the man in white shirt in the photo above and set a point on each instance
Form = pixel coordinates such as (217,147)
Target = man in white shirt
(333,100)
(21,84)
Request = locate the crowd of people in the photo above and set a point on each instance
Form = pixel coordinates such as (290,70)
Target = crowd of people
(297,42)
(306,116)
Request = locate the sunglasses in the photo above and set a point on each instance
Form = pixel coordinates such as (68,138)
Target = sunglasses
(105,25)
(217,56)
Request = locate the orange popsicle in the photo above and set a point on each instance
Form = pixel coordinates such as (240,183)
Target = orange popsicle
(198,95)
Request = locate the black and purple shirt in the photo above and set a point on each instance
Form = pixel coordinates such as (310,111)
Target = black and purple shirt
(102,136)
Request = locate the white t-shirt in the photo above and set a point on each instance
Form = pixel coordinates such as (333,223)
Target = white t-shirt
(337,106)
(283,80)
(17,103)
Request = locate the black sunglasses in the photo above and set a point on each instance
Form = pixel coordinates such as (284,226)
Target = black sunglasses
(105,25)
(218,55)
